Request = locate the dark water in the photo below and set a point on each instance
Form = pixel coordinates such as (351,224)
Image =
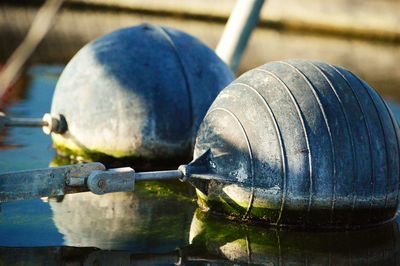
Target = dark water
(156,225)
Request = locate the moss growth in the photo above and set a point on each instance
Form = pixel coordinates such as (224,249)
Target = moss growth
(265,214)
(234,205)
(65,146)
(168,189)
(87,154)
(220,206)
(67,155)
(217,228)
(319,219)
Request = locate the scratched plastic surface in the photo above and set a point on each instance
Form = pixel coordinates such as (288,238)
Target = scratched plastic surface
(301,143)
(154,225)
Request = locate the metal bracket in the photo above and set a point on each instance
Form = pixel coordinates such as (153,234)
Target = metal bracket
(54,181)
(113,180)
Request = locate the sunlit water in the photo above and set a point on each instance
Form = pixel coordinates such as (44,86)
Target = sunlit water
(153,225)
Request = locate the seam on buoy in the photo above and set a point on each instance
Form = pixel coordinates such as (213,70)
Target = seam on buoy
(317,98)
(250,155)
(392,118)
(384,137)
(281,146)
(295,103)
(373,177)
(355,170)
(168,38)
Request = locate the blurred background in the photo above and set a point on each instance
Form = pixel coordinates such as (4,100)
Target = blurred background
(361,35)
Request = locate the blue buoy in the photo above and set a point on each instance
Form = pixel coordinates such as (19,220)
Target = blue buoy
(138,92)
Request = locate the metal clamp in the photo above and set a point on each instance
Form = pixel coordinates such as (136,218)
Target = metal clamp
(113,180)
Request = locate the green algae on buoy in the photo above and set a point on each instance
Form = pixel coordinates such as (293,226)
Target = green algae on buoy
(138,92)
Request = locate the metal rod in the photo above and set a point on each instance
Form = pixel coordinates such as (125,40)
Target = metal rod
(68,179)
(49,123)
(124,179)
(158,175)
(25,122)
(242,20)
(46,182)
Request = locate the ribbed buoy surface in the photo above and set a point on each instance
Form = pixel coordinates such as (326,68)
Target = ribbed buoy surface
(138,92)
(301,143)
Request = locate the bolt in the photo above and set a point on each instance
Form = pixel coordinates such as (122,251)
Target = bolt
(101,184)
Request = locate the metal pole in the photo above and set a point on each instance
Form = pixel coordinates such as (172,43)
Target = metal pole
(24,122)
(124,179)
(46,182)
(158,175)
(49,123)
(242,20)
(57,181)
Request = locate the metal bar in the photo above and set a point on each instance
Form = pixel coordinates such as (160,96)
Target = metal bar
(25,122)
(242,20)
(158,175)
(68,179)
(123,179)
(112,180)
(55,181)
(7,121)
(49,123)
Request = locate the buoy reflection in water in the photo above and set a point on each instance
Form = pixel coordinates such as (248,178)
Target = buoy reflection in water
(215,241)
(146,221)
(240,243)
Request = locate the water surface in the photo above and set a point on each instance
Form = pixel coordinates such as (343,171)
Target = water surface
(158,224)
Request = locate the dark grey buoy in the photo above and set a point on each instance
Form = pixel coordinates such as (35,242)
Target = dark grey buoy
(138,92)
(300,143)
